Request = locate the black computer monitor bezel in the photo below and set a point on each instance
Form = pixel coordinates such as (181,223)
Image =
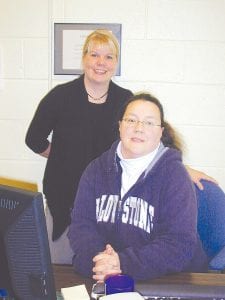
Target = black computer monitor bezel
(25,240)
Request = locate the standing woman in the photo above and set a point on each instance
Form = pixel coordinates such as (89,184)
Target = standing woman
(81,115)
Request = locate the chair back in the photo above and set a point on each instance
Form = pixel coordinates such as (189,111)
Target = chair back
(211,218)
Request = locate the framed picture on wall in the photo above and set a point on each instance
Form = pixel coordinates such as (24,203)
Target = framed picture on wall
(68,42)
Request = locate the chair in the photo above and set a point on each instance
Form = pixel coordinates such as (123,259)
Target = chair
(211,224)
(19,184)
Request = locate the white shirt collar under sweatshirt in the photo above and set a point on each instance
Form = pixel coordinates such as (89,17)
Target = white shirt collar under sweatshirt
(132,168)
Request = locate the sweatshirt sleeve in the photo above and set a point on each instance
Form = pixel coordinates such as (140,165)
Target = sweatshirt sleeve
(83,235)
(43,122)
(174,238)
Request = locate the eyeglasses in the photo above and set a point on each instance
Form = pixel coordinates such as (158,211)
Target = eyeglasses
(133,122)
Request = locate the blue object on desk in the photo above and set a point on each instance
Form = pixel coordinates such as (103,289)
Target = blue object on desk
(3,293)
(120,283)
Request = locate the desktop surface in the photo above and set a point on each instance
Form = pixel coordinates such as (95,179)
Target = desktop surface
(66,277)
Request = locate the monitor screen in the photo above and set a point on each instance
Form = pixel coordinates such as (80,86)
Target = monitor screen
(25,263)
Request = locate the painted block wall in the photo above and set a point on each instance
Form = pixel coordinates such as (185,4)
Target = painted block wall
(172,48)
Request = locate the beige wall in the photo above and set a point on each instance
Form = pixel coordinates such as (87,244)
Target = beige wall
(173,48)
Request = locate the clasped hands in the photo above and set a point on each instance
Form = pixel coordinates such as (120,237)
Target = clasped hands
(106,263)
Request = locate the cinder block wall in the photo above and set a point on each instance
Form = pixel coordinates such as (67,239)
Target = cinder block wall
(172,48)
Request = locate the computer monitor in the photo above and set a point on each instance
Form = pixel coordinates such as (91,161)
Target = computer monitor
(25,263)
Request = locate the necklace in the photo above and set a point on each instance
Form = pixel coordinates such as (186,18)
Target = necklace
(97,99)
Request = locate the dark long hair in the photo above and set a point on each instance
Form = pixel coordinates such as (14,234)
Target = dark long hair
(170,138)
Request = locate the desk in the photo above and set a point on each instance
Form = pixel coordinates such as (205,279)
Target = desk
(65,277)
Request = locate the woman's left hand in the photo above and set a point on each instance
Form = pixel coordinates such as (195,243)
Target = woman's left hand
(106,263)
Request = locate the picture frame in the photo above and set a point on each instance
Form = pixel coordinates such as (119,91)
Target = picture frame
(68,41)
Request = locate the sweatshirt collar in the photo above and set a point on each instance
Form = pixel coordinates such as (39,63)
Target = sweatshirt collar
(136,165)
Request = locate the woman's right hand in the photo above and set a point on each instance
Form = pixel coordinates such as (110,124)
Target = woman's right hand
(47,151)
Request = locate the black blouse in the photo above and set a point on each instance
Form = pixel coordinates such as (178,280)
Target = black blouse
(81,131)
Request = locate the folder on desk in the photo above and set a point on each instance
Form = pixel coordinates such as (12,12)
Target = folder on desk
(75,292)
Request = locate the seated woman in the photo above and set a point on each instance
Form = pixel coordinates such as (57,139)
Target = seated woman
(135,211)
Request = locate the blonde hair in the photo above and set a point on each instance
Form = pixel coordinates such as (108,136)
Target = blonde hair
(101,37)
